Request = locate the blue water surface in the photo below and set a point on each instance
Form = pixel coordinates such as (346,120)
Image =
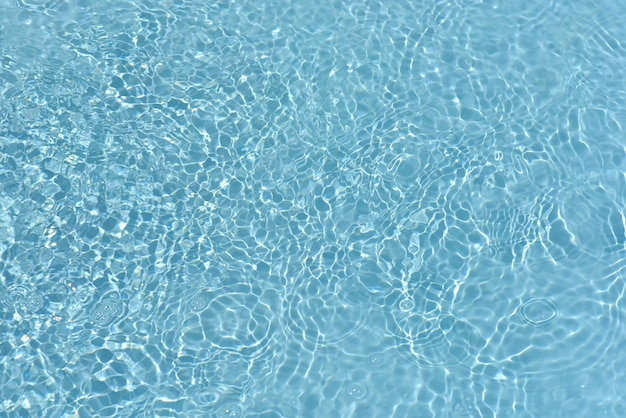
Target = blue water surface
(293,208)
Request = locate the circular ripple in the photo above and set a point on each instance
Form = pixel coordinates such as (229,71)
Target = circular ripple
(427,333)
(106,312)
(230,410)
(357,391)
(33,301)
(271,405)
(407,305)
(236,321)
(463,407)
(198,303)
(538,312)
(325,313)
(24,299)
(544,334)
(442,341)
(84,294)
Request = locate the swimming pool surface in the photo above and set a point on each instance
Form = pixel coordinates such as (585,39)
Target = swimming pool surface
(312,208)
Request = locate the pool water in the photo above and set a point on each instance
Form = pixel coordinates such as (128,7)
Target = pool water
(312,209)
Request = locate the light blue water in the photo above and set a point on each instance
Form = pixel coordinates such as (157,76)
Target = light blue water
(312,208)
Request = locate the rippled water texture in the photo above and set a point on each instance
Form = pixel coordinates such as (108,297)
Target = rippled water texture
(312,209)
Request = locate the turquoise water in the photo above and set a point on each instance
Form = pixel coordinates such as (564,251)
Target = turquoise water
(312,209)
